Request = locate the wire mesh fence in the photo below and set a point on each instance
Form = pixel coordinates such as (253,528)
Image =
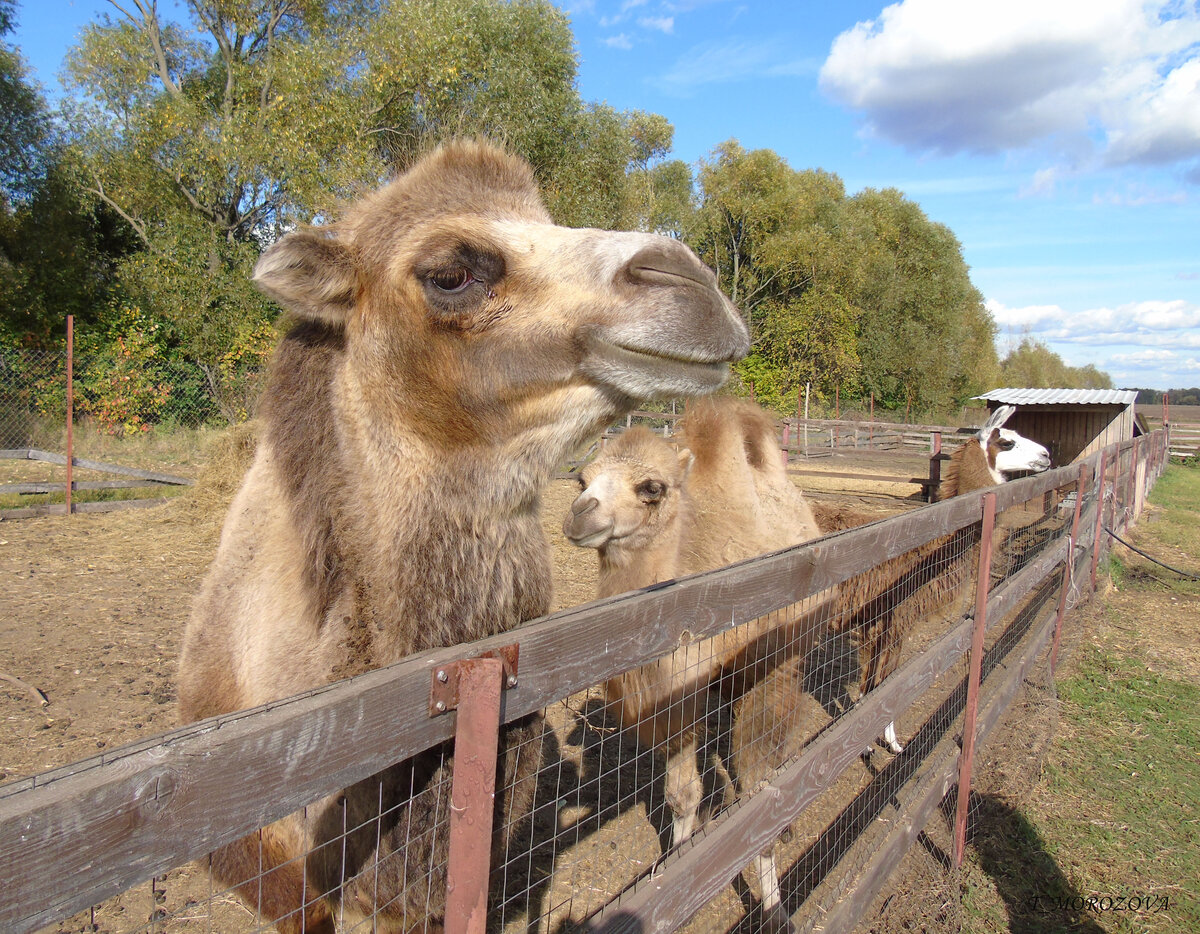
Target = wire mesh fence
(118,395)
(713,755)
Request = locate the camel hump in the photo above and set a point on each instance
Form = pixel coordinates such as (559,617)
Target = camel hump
(715,426)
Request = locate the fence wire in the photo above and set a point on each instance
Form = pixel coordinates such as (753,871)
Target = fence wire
(602,789)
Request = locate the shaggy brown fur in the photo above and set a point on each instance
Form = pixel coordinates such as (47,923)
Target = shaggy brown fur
(453,346)
(931,579)
(968,468)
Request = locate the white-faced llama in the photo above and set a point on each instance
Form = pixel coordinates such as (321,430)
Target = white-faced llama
(452,347)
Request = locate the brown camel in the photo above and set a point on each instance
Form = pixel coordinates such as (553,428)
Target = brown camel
(451,347)
(654,513)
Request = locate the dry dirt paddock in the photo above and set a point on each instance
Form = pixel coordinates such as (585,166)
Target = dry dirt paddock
(92,607)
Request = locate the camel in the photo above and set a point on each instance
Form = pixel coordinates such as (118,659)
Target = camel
(451,347)
(930,579)
(654,513)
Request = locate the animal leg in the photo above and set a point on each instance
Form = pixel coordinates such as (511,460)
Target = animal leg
(270,877)
(774,918)
(890,740)
(683,791)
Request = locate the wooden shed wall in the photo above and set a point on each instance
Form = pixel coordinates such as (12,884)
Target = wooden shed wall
(1072,432)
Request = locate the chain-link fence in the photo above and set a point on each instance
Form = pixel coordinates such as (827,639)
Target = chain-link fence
(133,412)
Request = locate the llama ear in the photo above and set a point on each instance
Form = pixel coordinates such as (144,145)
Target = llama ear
(999,417)
(311,273)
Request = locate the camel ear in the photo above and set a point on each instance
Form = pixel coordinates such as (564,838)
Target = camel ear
(311,273)
(686,459)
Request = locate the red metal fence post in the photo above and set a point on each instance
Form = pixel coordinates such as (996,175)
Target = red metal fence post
(1069,567)
(472,796)
(70,408)
(1099,515)
(972,712)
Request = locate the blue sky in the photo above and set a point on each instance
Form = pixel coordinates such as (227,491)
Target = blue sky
(1058,139)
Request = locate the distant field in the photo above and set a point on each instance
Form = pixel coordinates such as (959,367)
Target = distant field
(1179,414)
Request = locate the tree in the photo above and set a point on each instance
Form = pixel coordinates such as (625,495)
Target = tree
(1033,365)
(841,293)
(24,122)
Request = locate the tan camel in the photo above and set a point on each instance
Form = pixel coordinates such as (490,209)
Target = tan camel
(654,513)
(930,579)
(453,346)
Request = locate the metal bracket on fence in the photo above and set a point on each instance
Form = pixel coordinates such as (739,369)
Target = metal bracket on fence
(443,694)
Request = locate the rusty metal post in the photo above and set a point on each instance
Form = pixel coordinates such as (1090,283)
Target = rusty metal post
(1099,516)
(968,741)
(472,796)
(1069,567)
(70,409)
(787,429)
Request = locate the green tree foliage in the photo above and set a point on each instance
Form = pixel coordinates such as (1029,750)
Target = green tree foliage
(211,138)
(850,295)
(24,123)
(1033,365)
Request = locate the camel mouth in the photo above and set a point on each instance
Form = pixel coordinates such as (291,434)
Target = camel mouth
(589,539)
(650,372)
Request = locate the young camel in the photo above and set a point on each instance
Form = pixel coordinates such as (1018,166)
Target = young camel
(452,347)
(892,597)
(654,513)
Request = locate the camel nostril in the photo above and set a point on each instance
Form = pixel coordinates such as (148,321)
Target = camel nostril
(583,505)
(662,263)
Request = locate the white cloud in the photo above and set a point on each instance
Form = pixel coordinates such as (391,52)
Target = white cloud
(1159,326)
(661,23)
(1117,76)
(620,41)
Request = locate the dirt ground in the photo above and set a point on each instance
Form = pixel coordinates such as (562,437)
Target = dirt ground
(92,608)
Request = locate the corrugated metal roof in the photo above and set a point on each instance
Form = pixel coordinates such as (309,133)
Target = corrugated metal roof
(1061,396)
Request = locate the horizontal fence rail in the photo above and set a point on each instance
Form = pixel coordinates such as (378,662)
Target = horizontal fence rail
(112,822)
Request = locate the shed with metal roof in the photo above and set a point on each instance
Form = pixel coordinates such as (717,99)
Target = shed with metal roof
(1070,423)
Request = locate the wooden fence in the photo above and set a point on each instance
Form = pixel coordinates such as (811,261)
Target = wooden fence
(1185,440)
(75,836)
(133,478)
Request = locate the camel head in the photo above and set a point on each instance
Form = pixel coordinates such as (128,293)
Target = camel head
(631,496)
(1007,451)
(469,319)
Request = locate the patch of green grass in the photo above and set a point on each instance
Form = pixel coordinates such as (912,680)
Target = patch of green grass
(1133,769)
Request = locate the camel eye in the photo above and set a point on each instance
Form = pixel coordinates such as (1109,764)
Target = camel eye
(453,280)
(651,491)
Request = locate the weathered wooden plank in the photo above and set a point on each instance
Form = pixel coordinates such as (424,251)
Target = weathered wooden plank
(14,454)
(52,458)
(799,471)
(59,487)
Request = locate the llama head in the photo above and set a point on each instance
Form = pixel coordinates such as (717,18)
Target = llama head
(1008,451)
(631,495)
(470,318)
